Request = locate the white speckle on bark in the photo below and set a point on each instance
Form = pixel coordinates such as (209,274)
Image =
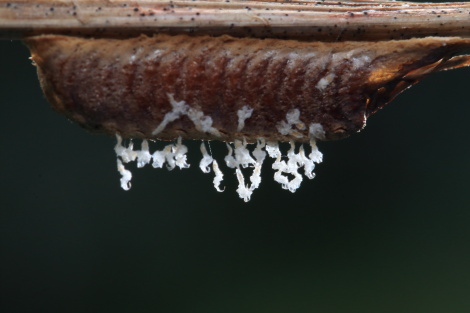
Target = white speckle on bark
(325,81)
(243,114)
(292,124)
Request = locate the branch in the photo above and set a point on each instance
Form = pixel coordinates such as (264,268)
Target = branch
(306,20)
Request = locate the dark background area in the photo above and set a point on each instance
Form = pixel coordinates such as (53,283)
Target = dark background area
(384,227)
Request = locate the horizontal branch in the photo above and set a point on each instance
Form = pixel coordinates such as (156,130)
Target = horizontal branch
(306,20)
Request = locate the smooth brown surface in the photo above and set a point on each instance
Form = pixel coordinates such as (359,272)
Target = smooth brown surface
(122,86)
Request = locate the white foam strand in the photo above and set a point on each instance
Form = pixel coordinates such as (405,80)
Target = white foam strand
(205,163)
(272,148)
(306,163)
(315,155)
(243,190)
(180,157)
(126,175)
(159,158)
(259,153)
(169,157)
(126,154)
(242,155)
(206,160)
(218,176)
(239,156)
(143,155)
(259,156)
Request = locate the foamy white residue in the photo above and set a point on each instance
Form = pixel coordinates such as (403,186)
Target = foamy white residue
(201,122)
(291,125)
(360,61)
(243,114)
(206,161)
(126,176)
(325,81)
(291,166)
(218,176)
(316,131)
(240,157)
(174,155)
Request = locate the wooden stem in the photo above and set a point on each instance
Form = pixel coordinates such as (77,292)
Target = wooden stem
(305,20)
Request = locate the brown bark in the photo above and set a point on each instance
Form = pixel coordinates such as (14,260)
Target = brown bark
(124,86)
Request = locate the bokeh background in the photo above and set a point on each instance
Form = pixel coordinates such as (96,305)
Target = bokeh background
(384,227)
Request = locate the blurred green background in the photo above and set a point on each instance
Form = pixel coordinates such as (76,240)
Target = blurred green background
(384,227)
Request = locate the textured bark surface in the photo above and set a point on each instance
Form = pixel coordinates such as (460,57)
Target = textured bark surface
(125,86)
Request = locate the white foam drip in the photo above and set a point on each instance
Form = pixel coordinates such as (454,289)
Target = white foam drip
(239,157)
(288,168)
(126,154)
(180,151)
(205,163)
(143,156)
(218,176)
(174,155)
(294,162)
(206,160)
(126,175)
